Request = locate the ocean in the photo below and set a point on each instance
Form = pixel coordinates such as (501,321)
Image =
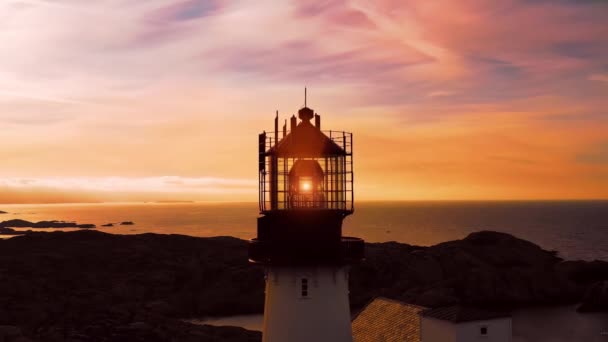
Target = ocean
(576,229)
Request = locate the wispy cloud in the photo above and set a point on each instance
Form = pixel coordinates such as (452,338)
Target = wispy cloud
(439,93)
(596,154)
(38,97)
(165,184)
(599,77)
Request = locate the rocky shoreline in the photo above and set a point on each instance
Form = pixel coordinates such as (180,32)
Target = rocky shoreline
(88,285)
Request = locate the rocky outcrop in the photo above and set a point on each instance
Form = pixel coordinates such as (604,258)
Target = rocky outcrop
(16,223)
(3,212)
(87,285)
(596,298)
(126,223)
(91,286)
(10,231)
(484,269)
(10,333)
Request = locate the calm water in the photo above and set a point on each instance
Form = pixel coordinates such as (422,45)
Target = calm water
(577,229)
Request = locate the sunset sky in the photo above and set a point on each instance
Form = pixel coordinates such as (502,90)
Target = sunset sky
(131,100)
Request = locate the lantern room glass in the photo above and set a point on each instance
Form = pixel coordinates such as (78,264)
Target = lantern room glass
(327,186)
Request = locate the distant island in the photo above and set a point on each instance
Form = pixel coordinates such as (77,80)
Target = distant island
(6,227)
(141,287)
(171,201)
(3,212)
(17,223)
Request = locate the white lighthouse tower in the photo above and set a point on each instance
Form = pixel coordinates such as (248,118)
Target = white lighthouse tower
(306,191)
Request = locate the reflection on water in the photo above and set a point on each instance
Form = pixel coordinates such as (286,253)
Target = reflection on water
(249,322)
(562,324)
(578,230)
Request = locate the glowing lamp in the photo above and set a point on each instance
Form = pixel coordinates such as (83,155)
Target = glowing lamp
(306,190)
(305,185)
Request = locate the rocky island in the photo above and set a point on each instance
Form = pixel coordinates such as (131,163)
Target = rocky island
(17,223)
(92,286)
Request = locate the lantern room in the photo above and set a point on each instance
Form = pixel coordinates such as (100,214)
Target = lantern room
(305,168)
(306,191)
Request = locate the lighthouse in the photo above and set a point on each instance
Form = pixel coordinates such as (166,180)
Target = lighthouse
(305,192)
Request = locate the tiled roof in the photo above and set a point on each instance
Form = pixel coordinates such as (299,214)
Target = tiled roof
(459,314)
(386,320)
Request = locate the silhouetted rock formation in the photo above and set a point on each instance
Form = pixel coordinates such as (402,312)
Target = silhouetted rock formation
(9,231)
(126,223)
(485,268)
(108,225)
(596,298)
(17,223)
(3,212)
(92,286)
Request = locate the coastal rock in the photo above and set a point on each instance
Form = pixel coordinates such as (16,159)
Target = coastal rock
(108,225)
(139,287)
(583,272)
(148,278)
(10,333)
(126,223)
(7,231)
(3,212)
(484,269)
(16,223)
(596,298)
(10,231)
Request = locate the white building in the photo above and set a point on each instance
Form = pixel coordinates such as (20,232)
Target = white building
(464,324)
(388,320)
(307,304)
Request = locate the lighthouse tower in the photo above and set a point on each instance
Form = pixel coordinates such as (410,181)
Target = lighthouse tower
(306,191)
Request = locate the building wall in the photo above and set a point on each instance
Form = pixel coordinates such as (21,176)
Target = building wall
(323,314)
(498,330)
(434,330)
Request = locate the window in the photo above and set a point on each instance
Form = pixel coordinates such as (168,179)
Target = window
(483,331)
(304,288)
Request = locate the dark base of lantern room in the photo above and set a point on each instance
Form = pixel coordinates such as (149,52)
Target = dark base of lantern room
(347,250)
(304,237)
(315,225)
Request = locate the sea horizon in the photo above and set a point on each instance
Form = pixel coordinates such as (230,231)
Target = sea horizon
(576,229)
(255,202)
